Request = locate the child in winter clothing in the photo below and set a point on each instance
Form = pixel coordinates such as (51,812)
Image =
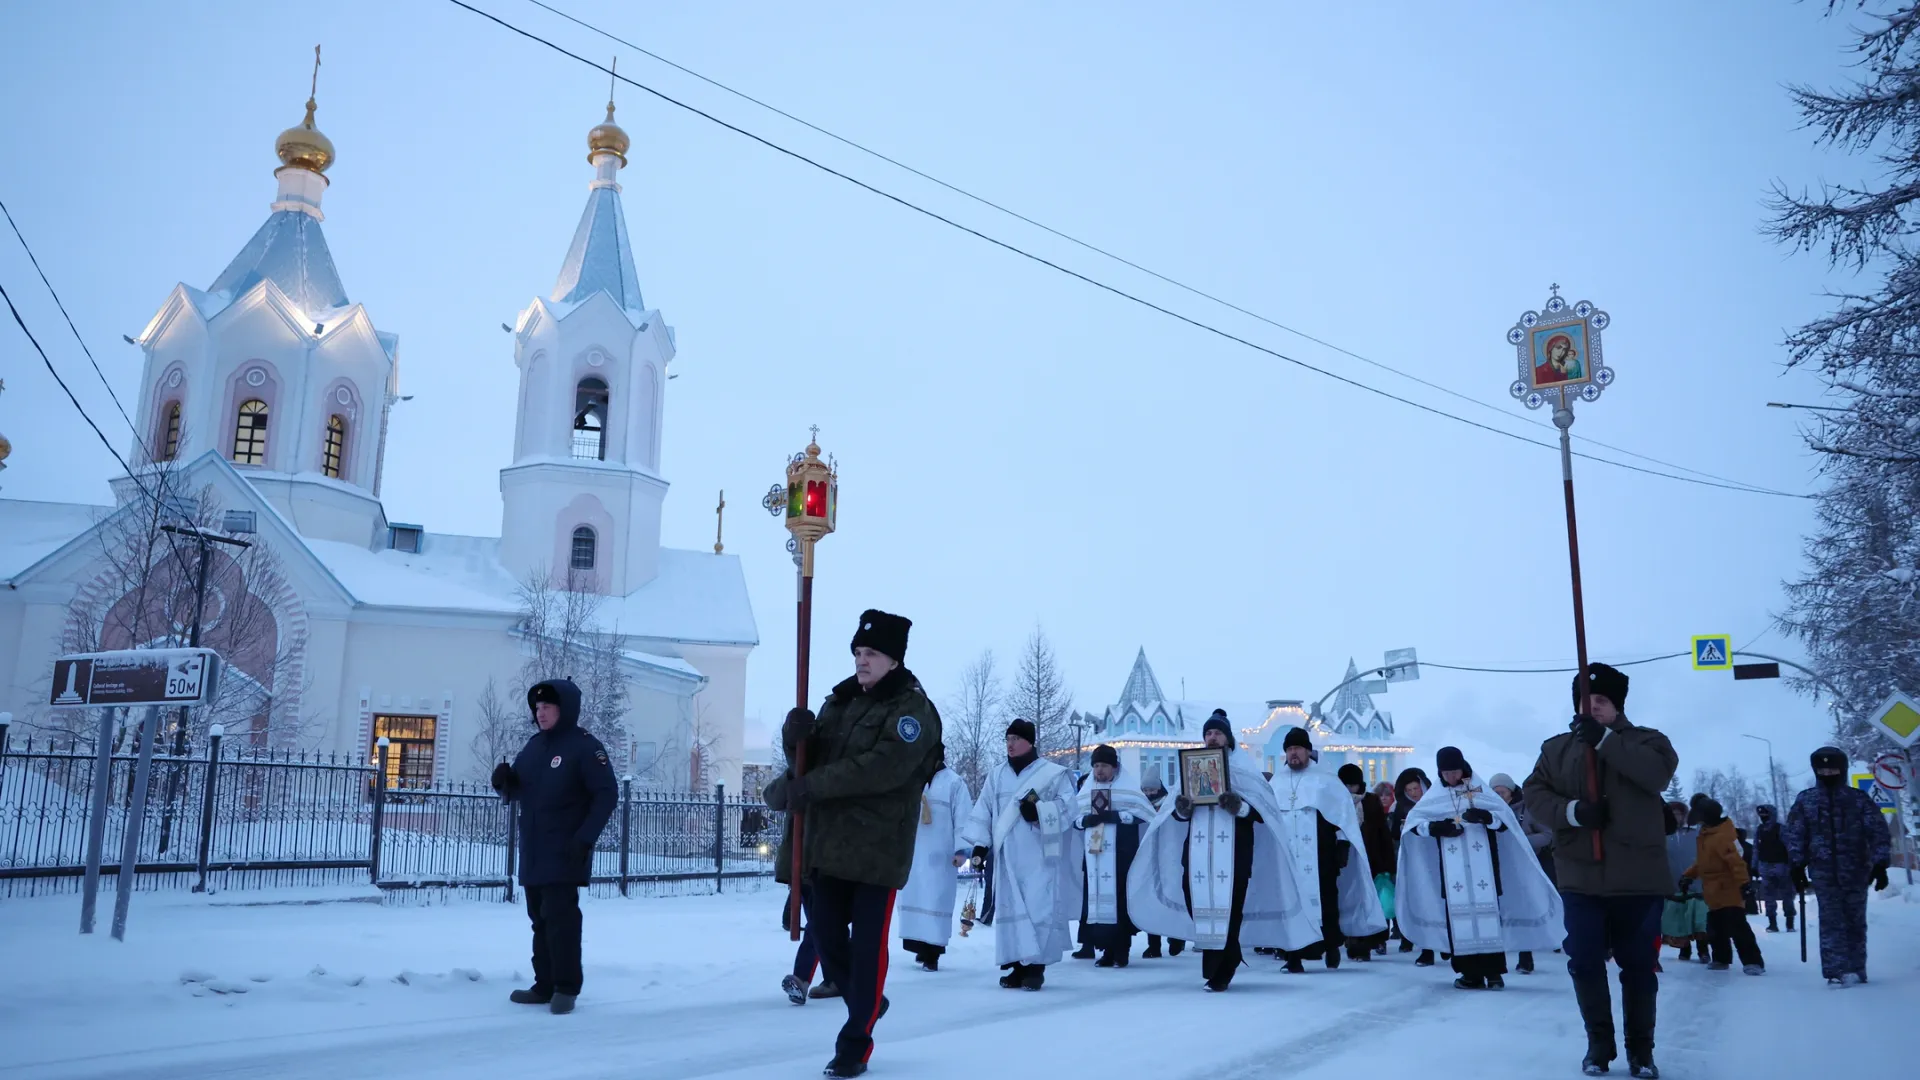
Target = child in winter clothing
(1722,873)
(1683,921)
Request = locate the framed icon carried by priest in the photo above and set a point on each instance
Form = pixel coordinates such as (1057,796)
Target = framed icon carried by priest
(1204,775)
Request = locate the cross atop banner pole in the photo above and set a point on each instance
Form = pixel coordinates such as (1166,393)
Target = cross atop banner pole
(1558,349)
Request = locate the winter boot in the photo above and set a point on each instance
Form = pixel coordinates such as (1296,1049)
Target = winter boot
(841,1067)
(1637,1007)
(1753,969)
(533,996)
(1296,967)
(561,1004)
(1470,982)
(1718,965)
(1596,1012)
(1425,959)
(1406,945)
(796,990)
(1176,947)
(1011,980)
(1153,949)
(1773,922)
(1789,920)
(1034,978)
(1333,957)
(1085,952)
(930,962)
(824,990)
(1106,960)
(1495,982)
(1525,966)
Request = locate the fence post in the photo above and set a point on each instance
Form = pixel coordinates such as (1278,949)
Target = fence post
(214,734)
(379,813)
(626,827)
(513,843)
(719,835)
(6,722)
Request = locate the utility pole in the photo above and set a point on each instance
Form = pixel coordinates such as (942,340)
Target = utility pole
(203,539)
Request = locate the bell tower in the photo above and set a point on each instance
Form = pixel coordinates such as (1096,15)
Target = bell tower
(583,495)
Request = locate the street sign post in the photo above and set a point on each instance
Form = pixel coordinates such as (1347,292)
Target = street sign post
(1890,771)
(1899,718)
(108,680)
(1713,652)
(135,677)
(1402,665)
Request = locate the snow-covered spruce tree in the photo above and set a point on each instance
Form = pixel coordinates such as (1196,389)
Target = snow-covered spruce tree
(1040,694)
(1857,609)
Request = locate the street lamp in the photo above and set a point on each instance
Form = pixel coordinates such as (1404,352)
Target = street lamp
(1815,408)
(812,502)
(1773,783)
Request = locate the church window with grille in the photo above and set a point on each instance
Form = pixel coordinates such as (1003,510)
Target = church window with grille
(583,549)
(250,433)
(590,420)
(410,741)
(170,433)
(335,446)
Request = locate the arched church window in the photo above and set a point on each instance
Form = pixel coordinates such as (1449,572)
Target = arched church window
(590,420)
(170,433)
(335,447)
(583,548)
(250,433)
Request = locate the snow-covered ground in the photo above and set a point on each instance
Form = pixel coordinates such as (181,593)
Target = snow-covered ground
(688,987)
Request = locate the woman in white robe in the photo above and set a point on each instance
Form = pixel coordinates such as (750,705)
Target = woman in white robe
(1023,819)
(939,850)
(1468,882)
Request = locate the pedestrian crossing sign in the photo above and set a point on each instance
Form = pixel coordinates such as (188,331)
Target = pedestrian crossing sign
(1713,652)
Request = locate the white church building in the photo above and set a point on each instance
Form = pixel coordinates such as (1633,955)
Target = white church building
(270,391)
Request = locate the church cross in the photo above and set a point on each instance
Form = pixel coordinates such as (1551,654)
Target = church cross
(1482,884)
(1477,846)
(1456,886)
(1222,875)
(313,88)
(1555,288)
(720,522)
(1221,835)
(1107,876)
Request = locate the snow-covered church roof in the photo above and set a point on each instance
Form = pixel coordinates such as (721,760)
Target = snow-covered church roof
(600,259)
(289,250)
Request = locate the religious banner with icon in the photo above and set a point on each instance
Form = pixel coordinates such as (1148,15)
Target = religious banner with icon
(1559,353)
(1204,775)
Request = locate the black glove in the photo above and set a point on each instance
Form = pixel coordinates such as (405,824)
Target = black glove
(1879,876)
(1182,807)
(1591,814)
(1477,816)
(1029,811)
(504,779)
(1588,730)
(798,726)
(1231,802)
(1800,882)
(979,858)
(1089,821)
(1343,852)
(1444,827)
(797,794)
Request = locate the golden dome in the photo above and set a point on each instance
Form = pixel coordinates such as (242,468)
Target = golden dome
(303,146)
(6,449)
(608,136)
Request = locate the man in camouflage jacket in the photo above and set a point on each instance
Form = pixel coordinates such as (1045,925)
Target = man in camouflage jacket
(1837,842)
(867,757)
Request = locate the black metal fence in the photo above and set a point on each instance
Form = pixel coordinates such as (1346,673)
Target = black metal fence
(267,820)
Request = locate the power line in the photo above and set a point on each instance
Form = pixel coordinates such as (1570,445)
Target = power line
(1547,671)
(51,370)
(69,318)
(1121,259)
(1095,282)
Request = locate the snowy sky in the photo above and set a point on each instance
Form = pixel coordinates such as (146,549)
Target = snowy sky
(1018,448)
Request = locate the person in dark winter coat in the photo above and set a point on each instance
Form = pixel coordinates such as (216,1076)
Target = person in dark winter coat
(1722,873)
(1408,787)
(868,757)
(1776,869)
(564,786)
(1838,842)
(1599,786)
(1156,791)
(1379,849)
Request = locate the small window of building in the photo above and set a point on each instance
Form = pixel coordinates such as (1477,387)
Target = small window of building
(590,420)
(404,538)
(170,433)
(336,445)
(239,522)
(583,549)
(409,749)
(250,433)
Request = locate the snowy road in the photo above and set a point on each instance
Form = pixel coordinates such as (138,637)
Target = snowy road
(683,988)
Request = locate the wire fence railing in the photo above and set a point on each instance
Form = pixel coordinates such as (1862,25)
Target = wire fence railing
(275,820)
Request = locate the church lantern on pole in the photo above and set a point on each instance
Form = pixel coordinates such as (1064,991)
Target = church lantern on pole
(811,500)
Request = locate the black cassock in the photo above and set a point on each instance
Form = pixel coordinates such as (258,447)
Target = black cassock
(1117,934)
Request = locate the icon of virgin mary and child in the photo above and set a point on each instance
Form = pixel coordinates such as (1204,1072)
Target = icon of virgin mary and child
(1558,359)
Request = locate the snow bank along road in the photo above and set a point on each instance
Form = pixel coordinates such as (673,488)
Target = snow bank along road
(688,987)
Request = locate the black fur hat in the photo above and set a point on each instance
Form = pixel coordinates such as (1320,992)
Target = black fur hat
(883,633)
(1608,682)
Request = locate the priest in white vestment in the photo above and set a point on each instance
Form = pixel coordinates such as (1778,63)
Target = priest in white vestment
(939,851)
(1322,827)
(1220,876)
(1468,882)
(1023,819)
(1111,814)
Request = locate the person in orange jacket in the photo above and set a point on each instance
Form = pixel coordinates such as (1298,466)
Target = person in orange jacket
(1722,873)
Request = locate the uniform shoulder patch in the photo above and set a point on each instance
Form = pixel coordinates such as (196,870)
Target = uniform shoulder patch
(600,756)
(909,729)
